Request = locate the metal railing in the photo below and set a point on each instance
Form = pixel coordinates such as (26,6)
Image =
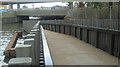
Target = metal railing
(47,56)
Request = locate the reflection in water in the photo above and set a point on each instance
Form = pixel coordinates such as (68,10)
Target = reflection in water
(12,27)
(5,36)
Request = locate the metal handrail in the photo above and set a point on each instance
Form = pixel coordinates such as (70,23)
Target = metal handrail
(47,56)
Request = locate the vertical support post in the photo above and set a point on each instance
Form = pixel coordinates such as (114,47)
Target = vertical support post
(64,29)
(81,34)
(119,16)
(112,44)
(70,4)
(97,39)
(119,29)
(55,28)
(18,6)
(87,39)
(59,28)
(110,7)
(10,6)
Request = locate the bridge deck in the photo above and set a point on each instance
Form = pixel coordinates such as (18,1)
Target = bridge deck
(68,50)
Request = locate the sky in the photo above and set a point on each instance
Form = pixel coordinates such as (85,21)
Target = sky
(37,5)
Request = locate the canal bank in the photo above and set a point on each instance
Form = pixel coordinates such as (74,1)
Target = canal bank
(6,34)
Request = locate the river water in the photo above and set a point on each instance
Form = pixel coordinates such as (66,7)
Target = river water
(6,34)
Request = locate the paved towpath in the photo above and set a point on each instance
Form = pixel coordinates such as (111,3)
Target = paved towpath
(68,50)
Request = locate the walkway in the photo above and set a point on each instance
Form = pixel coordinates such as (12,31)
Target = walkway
(68,50)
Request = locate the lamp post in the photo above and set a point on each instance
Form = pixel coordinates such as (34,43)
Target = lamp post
(110,7)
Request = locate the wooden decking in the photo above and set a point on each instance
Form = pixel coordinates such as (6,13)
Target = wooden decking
(68,50)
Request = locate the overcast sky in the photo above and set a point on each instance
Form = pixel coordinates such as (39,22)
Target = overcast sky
(41,4)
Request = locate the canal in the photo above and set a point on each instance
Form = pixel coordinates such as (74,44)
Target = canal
(6,34)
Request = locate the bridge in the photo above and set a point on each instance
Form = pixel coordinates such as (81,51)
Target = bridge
(24,14)
(41,12)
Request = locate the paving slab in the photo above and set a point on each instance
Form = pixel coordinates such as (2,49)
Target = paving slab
(68,50)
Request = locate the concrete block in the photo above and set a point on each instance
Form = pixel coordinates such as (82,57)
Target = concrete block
(20,61)
(29,41)
(34,30)
(30,36)
(32,43)
(23,51)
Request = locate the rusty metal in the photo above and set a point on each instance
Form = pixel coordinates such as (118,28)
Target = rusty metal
(10,50)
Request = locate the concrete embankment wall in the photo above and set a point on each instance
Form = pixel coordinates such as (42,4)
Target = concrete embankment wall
(28,25)
(9,17)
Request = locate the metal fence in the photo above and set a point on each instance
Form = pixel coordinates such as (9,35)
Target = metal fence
(103,34)
(94,13)
(99,23)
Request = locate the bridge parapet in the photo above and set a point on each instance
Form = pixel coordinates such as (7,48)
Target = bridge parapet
(41,12)
(97,23)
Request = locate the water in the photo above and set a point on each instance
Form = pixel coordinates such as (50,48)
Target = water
(3,10)
(4,40)
(12,27)
(5,36)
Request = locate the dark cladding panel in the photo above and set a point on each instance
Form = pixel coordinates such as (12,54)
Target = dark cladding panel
(92,38)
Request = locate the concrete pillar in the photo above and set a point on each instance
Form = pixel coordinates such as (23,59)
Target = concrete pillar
(20,61)
(29,41)
(70,4)
(18,6)
(23,51)
(10,6)
(33,49)
(36,46)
